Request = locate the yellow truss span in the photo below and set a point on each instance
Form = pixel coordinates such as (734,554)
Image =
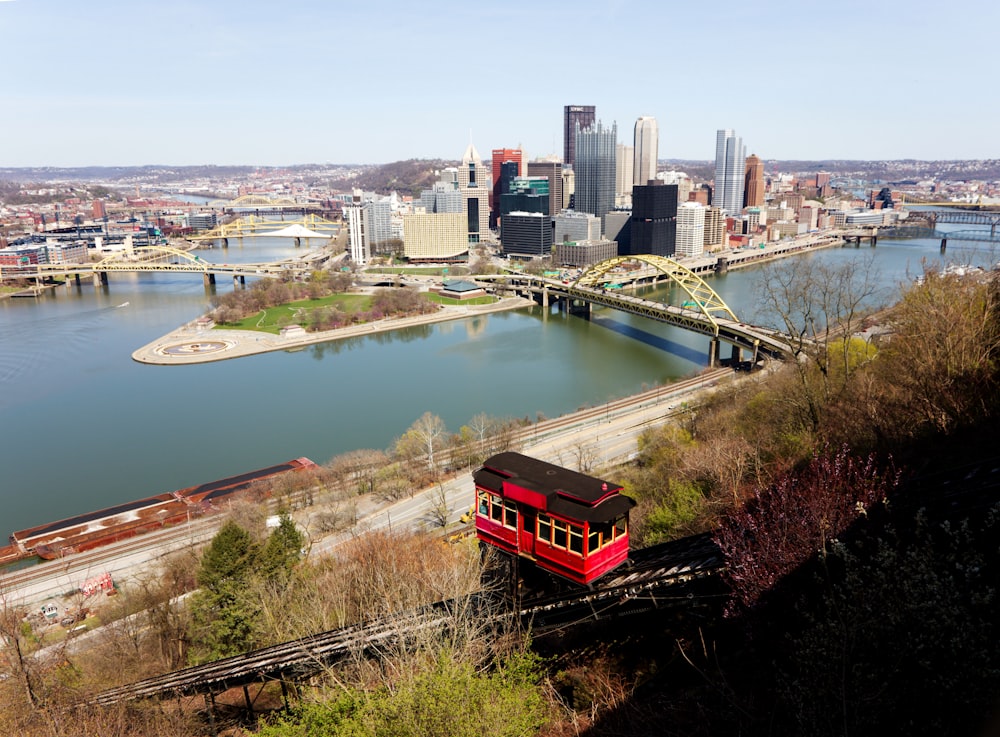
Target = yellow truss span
(256,200)
(149,253)
(705,299)
(253,225)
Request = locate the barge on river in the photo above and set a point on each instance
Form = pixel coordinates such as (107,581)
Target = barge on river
(94,529)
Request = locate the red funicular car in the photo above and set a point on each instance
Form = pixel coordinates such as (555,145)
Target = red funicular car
(568,523)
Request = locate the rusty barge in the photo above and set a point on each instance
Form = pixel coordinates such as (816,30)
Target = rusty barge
(104,526)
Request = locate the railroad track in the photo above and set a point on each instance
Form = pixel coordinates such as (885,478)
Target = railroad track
(658,576)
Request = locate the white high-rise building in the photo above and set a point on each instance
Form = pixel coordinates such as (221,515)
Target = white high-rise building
(360,245)
(647,141)
(624,160)
(690,229)
(730,170)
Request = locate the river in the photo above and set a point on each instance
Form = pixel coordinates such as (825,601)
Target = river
(86,427)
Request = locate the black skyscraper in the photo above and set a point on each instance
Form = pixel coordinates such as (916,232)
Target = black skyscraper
(653,222)
(573,114)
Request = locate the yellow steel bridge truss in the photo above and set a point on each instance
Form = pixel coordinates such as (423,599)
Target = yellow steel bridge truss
(253,225)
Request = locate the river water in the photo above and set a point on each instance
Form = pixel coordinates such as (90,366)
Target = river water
(85,427)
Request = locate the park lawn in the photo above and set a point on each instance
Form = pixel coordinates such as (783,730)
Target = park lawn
(273,319)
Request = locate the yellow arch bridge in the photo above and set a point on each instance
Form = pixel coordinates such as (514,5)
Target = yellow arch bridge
(702,309)
(153,258)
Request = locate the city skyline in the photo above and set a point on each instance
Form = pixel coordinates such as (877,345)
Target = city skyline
(307,82)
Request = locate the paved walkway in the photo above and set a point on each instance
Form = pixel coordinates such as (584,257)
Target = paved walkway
(192,343)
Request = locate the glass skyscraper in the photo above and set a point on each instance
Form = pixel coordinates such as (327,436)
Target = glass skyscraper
(595,169)
(730,158)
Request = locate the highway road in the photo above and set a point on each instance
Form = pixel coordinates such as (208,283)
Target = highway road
(591,438)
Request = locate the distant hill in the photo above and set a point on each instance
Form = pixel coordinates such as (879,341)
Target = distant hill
(404,177)
(412,175)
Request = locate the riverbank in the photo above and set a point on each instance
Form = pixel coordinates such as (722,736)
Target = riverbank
(193,343)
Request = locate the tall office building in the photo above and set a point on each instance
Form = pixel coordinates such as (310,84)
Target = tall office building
(730,155)
(552,170)
(474,184)
(526,234)
(654,221)
(595,169)
(526,194)
(753,182)
(576,226)
(690,229)
(715,229)
(574,115)
(360,247)
(624,162)
(500,182)
(647,139)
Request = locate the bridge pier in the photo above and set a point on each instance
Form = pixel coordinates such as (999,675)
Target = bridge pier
(722,265)
(239,281)
(874,241)
(713,352)
(736,356)
(100,278)
(545,298)
(209,279)
(944,244)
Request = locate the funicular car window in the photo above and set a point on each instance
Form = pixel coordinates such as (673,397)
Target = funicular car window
(576,539)
(544,529)
(484,503)
(509,514)
(558,533)
(496,508)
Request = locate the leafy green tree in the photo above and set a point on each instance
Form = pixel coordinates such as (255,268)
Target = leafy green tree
(222,610)
(282,550)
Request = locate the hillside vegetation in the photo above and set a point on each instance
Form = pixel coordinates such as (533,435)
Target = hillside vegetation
(861,599)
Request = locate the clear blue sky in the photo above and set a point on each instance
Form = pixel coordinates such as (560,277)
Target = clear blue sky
(109,82)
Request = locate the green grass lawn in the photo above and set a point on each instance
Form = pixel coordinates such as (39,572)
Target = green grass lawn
(273,319)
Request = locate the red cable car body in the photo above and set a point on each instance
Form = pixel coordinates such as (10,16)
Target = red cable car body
(568,523)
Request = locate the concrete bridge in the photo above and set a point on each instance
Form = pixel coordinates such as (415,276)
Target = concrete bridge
(703,311)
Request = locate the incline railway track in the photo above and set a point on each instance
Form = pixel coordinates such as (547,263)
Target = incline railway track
(664,575)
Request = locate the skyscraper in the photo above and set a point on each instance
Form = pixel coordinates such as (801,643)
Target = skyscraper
(690,229)
(553,171)
(572,115)
(473,183)
(500,157)
(624,161)
(647,138)
(730,155)
(595,169)
(653,225)
(753,183)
